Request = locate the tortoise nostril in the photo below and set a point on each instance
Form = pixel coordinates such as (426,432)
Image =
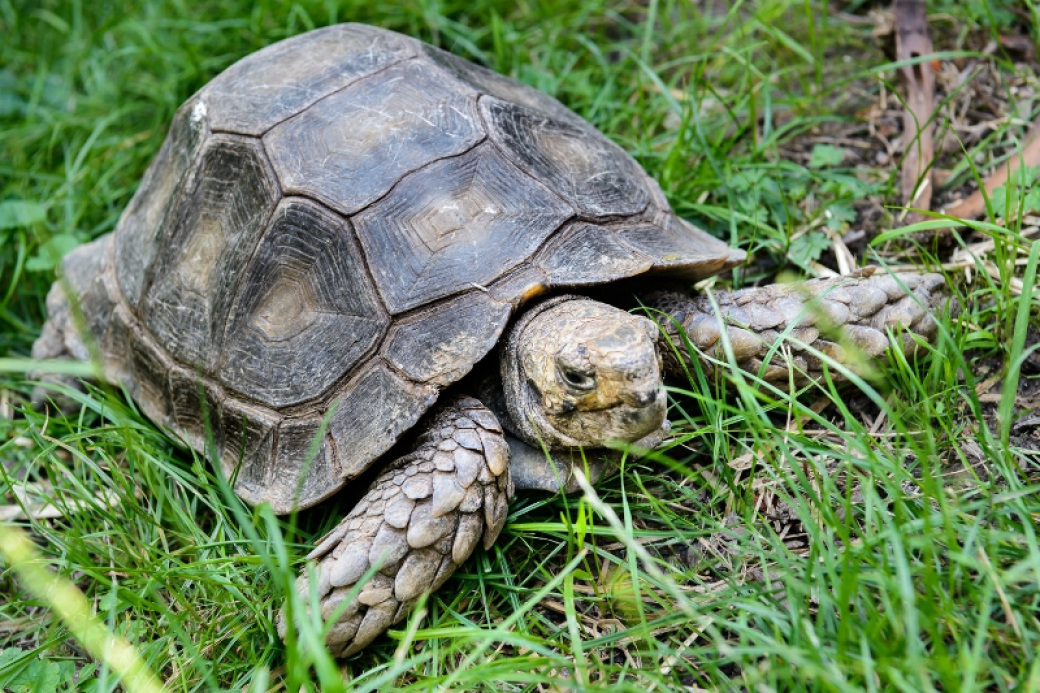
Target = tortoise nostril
(647,398)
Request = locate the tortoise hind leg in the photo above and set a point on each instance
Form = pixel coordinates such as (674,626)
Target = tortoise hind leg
(84,271)
(420,520)
(817,315)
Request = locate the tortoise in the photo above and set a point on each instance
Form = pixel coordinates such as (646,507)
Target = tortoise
(320,262)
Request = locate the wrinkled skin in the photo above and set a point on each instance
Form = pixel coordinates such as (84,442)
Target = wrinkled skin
(584,374)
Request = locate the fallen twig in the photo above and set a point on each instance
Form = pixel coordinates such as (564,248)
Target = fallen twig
(912,43)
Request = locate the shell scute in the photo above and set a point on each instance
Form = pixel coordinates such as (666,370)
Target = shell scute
(218,222)
(584,167)
(141,227)
(265,88)
(456,224)
(349,149)
(371,414)
(305,291)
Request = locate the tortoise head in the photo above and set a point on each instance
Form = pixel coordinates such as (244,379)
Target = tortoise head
(577,372)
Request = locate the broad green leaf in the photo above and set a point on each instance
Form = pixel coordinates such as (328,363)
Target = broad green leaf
(18,213)
(824,155)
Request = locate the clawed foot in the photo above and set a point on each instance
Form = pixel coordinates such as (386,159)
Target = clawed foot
(815,317)
(420,520)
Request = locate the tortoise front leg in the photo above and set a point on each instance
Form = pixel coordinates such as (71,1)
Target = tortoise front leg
(420,520)
(816,316)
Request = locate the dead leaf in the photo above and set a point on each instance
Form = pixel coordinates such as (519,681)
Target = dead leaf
(1019,45)
(1026,422)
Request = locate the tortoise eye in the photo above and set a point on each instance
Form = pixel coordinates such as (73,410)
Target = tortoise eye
(576,379)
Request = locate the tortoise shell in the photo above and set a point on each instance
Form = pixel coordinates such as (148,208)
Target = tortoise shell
(340,226)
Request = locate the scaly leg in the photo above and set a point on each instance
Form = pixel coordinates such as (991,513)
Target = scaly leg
(819,313)
(84,270)
(420,520)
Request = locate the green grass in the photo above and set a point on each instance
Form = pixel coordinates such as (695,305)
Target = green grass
(916,564)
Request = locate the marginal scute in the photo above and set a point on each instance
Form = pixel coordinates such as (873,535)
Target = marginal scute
(116,348)
(574,159)
(442,343)
(217,224)
(304,292)
(585,254)
(679,248)
(281,80)
(145,221)
(86,270)
(195,407)
(350,148)
(148,384)
(520,286)
(246,440)
(458,223)
(372,413)
(304,470)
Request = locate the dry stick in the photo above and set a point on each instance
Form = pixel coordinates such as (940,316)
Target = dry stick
(913,43)
(974,206)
